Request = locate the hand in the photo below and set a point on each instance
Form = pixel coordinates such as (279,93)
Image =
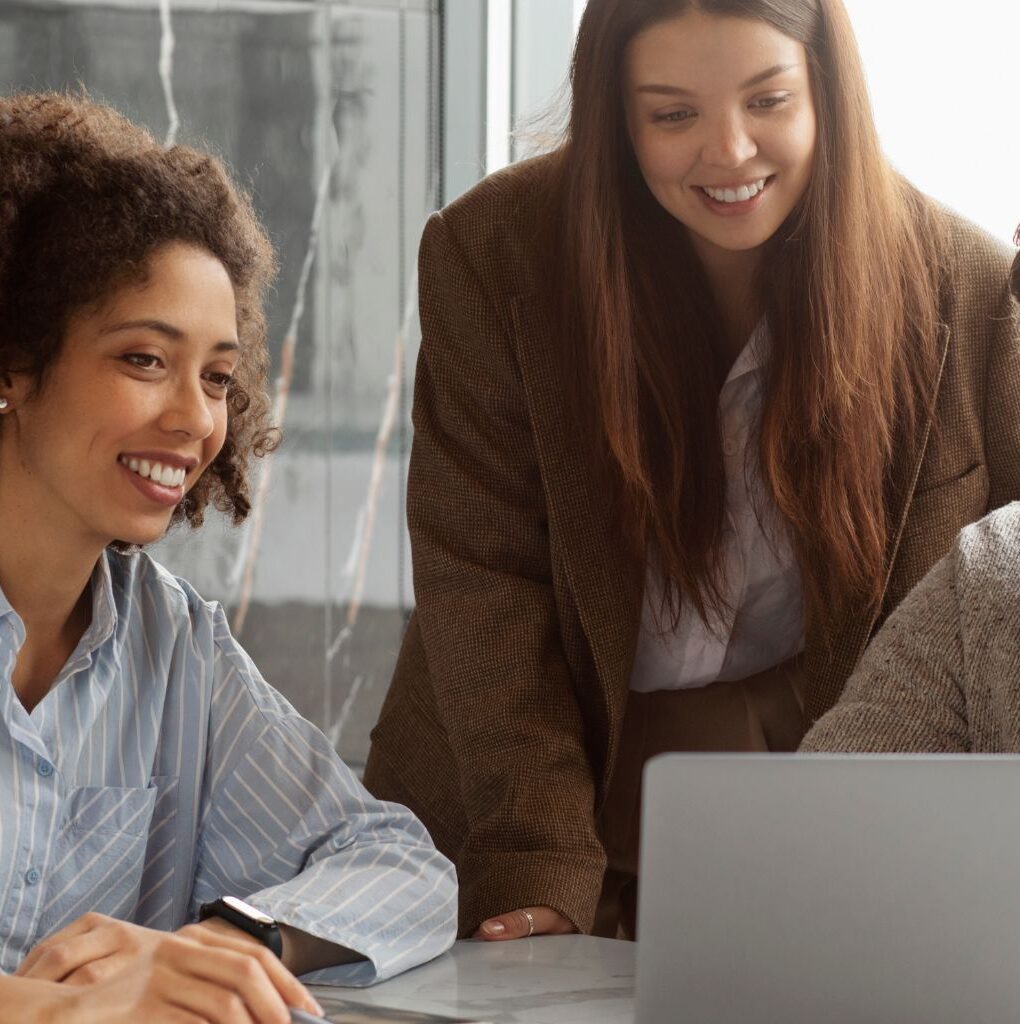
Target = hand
(96,948)
(182,982)
(515,925)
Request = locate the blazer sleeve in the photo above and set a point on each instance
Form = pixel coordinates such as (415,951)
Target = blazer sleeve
(486,609)
(907,695)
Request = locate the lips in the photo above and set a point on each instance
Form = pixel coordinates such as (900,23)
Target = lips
(735,201)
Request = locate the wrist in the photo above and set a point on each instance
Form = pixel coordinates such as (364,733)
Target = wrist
(222,927)
(243,917)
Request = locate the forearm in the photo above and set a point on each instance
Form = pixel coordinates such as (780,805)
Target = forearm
(303,952)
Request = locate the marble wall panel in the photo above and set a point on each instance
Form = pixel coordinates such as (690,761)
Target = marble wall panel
(328,112)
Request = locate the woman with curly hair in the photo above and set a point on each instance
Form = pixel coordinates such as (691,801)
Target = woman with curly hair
(701,396)
(150,781)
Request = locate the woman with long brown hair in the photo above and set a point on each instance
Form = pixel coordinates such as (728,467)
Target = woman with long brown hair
(701,396)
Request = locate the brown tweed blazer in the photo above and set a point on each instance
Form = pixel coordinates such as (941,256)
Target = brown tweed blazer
(503,719)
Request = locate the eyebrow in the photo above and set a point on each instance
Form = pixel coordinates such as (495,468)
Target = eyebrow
(764,76)
(167,330)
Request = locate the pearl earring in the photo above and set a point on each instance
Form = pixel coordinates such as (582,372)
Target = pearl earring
(3,404)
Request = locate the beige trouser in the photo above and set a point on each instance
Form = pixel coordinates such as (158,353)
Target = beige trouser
(763,713)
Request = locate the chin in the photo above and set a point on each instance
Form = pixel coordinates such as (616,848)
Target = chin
(729,243)
(138,536)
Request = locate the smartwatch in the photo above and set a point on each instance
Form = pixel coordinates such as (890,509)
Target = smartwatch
(244,916)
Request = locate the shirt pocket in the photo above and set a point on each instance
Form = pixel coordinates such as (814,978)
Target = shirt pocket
(99,856)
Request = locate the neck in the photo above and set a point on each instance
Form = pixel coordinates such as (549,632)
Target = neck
(732,277)
(45,578)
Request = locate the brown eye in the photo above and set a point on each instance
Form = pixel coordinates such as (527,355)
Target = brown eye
(675,116)
(220,380)
(143,360)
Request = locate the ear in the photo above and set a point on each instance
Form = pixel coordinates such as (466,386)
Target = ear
(15,388)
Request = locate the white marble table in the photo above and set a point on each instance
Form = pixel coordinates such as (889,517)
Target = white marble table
(553,979)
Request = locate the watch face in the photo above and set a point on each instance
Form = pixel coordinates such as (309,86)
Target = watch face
(248,910)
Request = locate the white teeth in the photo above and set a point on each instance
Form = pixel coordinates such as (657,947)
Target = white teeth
(156,471)
(738,195)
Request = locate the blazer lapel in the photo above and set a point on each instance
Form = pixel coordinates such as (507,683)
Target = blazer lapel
(606,583)
(829,659)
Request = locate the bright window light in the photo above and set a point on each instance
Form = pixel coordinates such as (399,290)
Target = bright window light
(943,87)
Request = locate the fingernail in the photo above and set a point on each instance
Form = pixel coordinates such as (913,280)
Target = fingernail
(318,1009)
(494,927)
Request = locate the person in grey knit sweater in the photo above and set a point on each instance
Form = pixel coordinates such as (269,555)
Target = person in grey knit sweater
(943,675)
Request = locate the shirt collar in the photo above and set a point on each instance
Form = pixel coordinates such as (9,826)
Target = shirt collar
(5,605)
(103,620)
(104,608)
(755,354)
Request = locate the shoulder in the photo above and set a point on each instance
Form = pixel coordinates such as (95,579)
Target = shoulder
(150,597)
(154,603)
(496,225)
(986,580)
(971,247)
(977,263)
(988,560)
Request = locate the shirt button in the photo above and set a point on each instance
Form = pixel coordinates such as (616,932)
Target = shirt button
(32,876)
(44,768)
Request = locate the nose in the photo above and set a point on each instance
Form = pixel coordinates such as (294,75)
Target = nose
(186,410)
(727,143)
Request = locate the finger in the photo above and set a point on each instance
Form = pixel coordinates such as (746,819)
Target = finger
(514,925)
(237,974)
(552,922)
(291,990)
(98,970)
(209,1002)
(84,924)
(61,957)
(517,925)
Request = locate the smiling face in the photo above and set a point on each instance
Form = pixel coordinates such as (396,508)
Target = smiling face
(132,411)
(722,122)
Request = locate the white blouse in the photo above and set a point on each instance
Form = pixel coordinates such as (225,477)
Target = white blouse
(761,582)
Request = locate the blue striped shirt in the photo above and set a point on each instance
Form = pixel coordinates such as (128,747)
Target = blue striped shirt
(161,771)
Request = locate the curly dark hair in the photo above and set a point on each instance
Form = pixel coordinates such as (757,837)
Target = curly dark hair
(86,197)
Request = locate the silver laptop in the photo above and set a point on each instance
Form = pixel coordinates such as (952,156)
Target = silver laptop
(786,889)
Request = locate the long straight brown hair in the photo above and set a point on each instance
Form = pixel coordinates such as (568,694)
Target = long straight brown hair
(850,289)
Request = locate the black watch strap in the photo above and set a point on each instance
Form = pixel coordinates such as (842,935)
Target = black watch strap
(246,917)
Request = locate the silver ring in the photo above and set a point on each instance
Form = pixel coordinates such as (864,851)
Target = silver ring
(531,923)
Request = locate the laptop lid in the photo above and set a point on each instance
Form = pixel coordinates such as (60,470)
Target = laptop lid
(782,889)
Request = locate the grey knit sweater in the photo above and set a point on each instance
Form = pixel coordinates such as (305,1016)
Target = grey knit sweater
(943,675)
